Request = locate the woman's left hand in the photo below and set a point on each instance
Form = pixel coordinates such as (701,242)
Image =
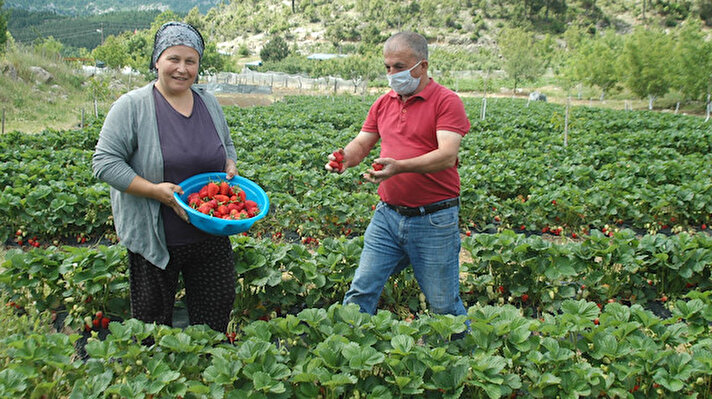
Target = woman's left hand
(230,169)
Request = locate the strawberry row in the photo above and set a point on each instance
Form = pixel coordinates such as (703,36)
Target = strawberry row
(646,171)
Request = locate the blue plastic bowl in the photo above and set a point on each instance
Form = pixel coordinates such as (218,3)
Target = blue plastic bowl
(222,227)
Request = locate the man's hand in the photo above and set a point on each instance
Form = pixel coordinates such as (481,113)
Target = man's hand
(381,169)
(336,162)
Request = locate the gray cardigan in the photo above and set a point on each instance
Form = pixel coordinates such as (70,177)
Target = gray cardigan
(129,146)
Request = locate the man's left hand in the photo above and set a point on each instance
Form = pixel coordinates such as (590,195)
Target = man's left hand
(388,167)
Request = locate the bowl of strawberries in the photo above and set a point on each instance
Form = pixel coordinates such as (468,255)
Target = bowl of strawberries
(222,207)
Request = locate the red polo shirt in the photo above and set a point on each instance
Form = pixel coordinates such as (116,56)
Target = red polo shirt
(408,130)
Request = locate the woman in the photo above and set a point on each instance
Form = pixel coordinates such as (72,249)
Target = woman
(153,138)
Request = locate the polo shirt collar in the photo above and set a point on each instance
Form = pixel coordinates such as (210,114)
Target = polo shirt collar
(424,94)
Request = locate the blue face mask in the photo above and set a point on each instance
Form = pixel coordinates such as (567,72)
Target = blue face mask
(402,82)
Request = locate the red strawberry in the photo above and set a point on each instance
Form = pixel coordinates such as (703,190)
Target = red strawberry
(595,321)
(222,209)
(96,323)
(377,166)
(213,189)
(525,297)
(105,322)
(241,196)
(225,188)
(335,165)
(194,200)
(250,204)
(222,198)
(338,156)
(205,208)
(99,314)
(203,192)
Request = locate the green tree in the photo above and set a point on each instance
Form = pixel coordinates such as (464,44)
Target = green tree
(113,52)
(195,19)
(275,49)
(645,63)
(522,55)
(212,61)
(693,61)
(598,59)
(3,28)
(49,46)
(162,18)
(359,69)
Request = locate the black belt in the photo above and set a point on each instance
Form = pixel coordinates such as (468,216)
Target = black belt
(425,209)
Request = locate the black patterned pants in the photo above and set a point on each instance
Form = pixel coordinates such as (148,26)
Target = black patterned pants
(208,271)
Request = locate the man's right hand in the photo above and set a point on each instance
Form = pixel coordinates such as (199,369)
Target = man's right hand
(336,162)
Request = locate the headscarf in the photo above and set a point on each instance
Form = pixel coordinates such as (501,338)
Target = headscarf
(176,34)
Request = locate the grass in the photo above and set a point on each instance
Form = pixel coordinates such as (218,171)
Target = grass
(31,107)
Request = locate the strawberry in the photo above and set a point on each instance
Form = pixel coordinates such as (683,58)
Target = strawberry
(96,323)
(99,314)
(241,196)
(105,322)
(377,166)
(222,198)
(203,192)
(222,209)
(225,188)
(335,165)
(338,156)
(205,208)
(194,200)
(596,321)
(213,189)
(525,297)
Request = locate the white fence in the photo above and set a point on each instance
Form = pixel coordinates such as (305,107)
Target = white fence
(278,80)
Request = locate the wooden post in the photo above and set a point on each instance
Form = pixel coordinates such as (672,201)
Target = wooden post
(566,122)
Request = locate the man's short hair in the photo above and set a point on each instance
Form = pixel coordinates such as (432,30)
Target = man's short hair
(414,41)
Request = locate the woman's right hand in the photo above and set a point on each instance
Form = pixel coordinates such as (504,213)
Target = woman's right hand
(161,192)
(164,194)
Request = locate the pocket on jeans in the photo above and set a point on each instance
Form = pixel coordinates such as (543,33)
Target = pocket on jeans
(444,218)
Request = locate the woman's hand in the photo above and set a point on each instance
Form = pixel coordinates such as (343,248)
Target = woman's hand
(164,194)
(230,169)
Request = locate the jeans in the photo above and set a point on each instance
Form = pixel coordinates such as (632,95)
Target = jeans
(430,243)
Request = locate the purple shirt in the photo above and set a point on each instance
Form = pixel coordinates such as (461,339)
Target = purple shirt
(190,145)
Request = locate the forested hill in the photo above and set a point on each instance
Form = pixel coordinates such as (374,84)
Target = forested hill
(88,7)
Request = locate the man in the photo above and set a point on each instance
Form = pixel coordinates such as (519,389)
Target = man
(420,124)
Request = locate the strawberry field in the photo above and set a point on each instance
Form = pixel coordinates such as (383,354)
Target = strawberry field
(586,267)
